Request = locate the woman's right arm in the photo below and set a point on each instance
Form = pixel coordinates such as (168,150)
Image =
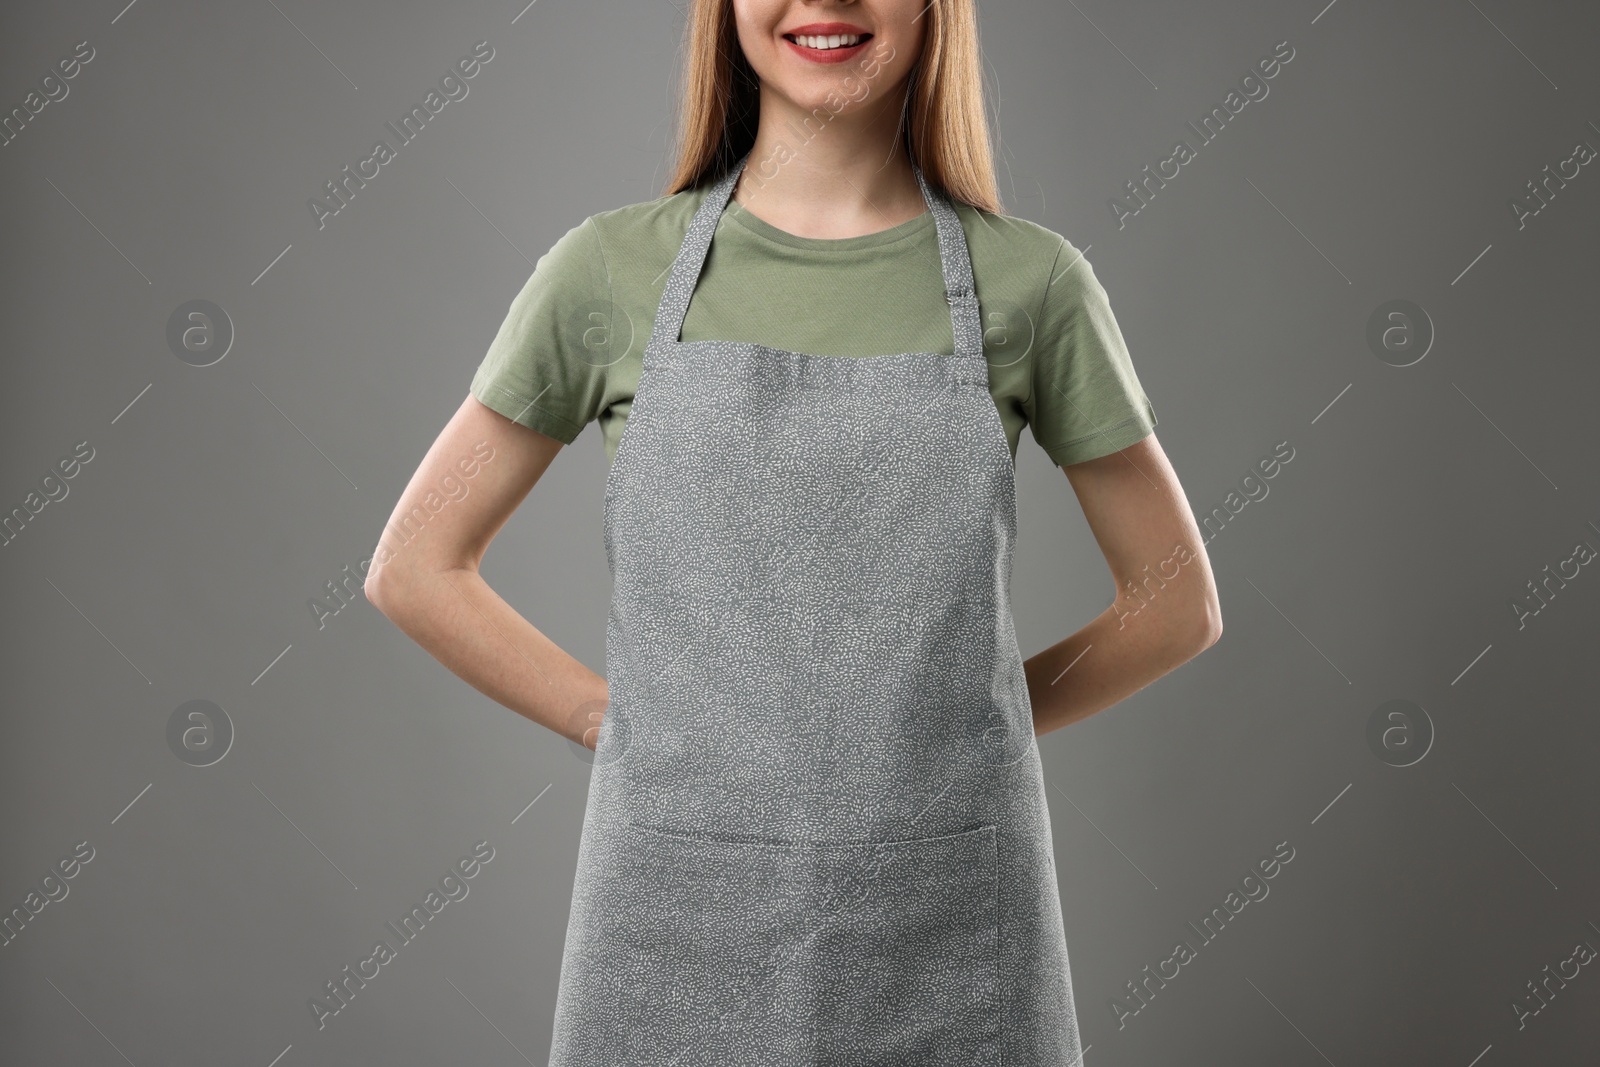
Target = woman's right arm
(425,578)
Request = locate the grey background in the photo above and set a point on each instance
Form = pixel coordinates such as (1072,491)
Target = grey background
(1382,565)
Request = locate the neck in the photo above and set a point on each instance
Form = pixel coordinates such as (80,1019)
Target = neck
(830,175)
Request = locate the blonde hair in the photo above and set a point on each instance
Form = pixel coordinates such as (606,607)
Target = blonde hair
(946,132)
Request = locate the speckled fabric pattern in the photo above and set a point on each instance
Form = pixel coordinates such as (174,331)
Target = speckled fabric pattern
(816,830)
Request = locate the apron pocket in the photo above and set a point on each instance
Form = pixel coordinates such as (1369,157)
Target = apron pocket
(718,952)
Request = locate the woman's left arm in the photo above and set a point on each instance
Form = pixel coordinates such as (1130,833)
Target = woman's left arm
(1166,610)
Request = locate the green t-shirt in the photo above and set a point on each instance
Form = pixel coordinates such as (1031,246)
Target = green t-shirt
(568,352)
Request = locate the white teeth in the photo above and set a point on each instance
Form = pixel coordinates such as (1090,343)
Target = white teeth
(836,41)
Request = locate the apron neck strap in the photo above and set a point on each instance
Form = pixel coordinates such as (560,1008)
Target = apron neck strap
(954,258)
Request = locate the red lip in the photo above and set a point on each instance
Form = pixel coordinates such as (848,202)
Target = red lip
(824,29)
(827,29)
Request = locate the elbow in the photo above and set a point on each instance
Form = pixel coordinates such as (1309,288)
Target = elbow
(1209,627)
(377,593)
(405,588)
(1200,628)
(385,588)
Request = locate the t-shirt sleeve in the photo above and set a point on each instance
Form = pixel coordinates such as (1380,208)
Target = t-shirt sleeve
(1087,401)
(545,368)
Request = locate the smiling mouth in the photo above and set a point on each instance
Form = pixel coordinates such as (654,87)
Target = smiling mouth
(828,43)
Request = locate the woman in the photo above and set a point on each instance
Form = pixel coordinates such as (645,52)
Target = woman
(816,828)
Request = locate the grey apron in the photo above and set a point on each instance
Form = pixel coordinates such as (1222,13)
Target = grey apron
(816,830)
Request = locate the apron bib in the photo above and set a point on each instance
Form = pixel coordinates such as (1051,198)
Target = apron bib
(816,829)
